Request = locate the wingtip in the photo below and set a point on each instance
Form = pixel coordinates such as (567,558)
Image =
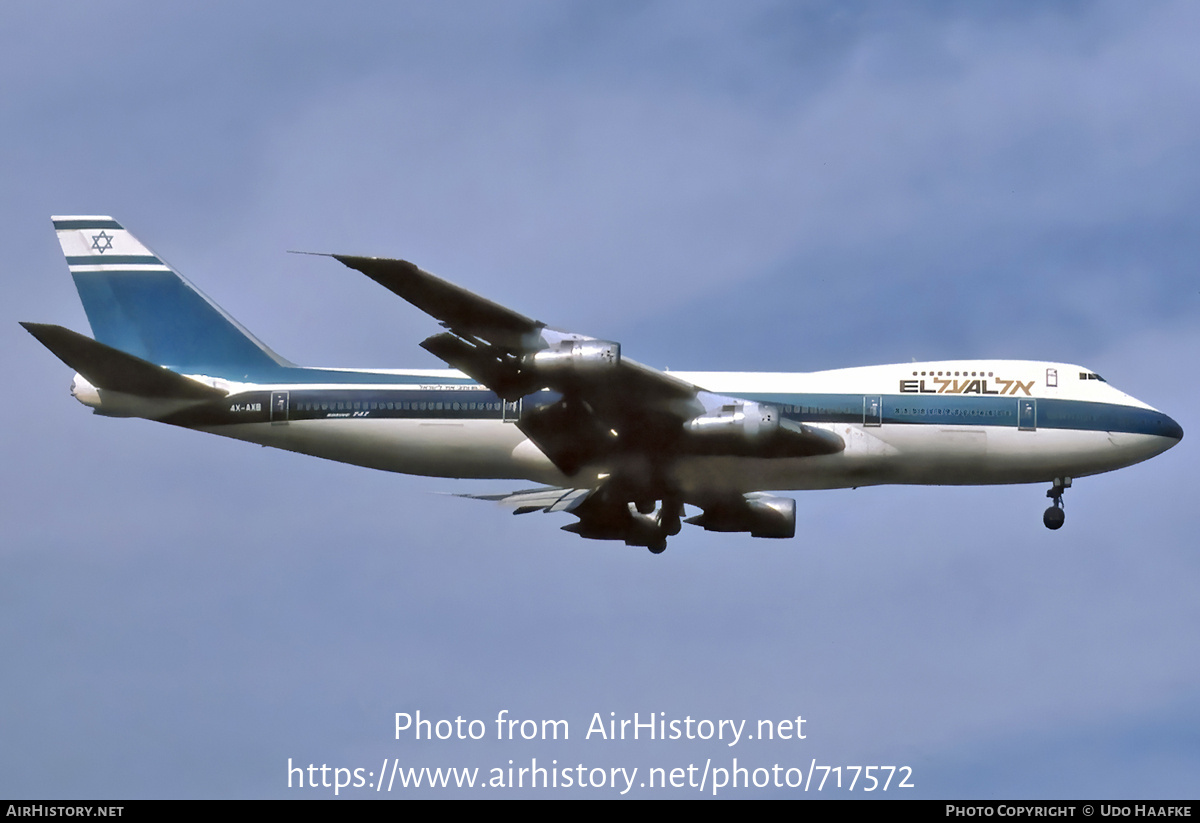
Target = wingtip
(355,260)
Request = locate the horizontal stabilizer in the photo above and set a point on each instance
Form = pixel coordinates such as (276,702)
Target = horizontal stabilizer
(114,370)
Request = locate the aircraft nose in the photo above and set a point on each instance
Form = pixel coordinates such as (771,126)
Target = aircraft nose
(1169,428)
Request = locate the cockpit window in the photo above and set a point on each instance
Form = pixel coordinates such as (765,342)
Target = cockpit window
(1087,375)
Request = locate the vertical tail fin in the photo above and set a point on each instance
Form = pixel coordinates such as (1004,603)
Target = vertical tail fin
(137,303)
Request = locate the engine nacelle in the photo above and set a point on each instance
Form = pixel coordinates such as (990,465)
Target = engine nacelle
(747,421)
(635,527)
(577,357)
(762,515)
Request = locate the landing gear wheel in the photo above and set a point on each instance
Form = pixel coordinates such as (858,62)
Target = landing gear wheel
(668,518)
(1054,518)
(658,548)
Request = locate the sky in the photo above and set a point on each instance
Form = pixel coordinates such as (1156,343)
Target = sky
(719,186)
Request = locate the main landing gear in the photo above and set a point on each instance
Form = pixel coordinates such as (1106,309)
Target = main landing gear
(1054,517)
(652,530)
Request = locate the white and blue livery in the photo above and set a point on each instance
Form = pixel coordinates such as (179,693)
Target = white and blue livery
(622,446)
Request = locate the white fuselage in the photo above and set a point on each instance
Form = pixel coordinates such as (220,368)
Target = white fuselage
(946,423)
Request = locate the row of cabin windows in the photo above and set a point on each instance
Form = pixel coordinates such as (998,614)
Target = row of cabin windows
(956,412)
(1051,375)
(951,374)
(911,411)
(407,405)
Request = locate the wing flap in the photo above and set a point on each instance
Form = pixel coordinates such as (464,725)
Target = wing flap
(547,499)
(480,362)
(569,433)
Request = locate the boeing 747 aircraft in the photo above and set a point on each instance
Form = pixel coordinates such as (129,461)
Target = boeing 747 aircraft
(623,447)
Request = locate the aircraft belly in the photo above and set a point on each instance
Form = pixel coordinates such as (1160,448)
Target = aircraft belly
(466,449)
(1016,456)
(927,455)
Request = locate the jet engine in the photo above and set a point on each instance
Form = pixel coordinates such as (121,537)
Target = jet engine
(747,421)
(580,357)
(762,515)
(636,529)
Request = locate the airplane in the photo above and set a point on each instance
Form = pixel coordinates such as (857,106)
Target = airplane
(623,447)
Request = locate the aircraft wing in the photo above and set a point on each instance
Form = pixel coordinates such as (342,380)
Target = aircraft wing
(605,515)
(456,307)
(623,419)
(544,499)
(510,337)
(602,396)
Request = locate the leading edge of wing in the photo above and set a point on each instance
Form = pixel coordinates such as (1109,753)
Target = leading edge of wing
(459,309)
(467,314)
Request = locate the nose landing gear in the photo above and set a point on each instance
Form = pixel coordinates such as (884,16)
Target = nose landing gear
(1054,517)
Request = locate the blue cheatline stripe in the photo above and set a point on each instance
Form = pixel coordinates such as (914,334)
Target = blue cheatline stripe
(348,404)
(944,410)
(385,401)
(115,260)
(61,225)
